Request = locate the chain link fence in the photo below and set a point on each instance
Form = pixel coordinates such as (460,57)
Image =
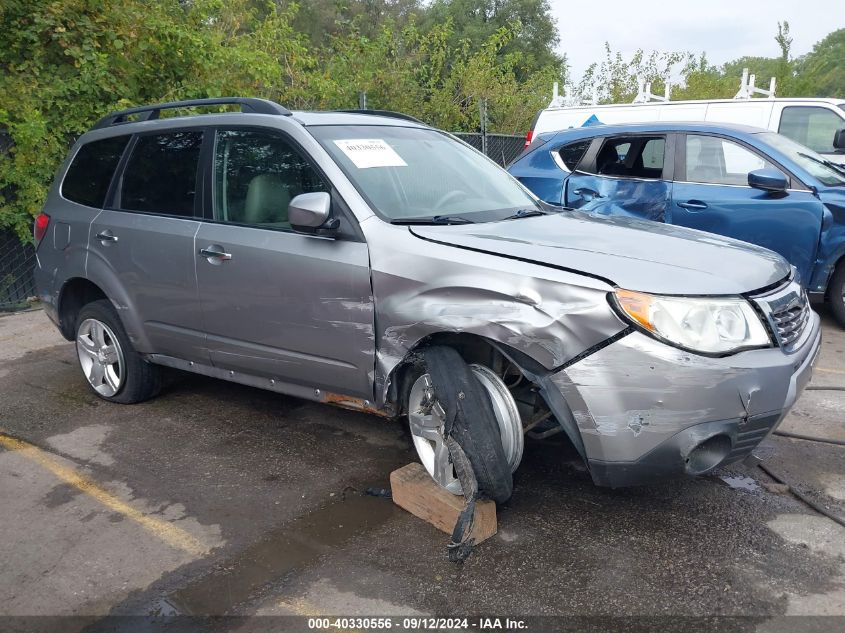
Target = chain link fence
(17,260)
(502,148)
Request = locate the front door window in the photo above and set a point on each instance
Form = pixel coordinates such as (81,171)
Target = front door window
(717,161)
(256,175)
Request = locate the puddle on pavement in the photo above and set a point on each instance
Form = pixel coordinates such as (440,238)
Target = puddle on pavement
(740,482)
(292,547)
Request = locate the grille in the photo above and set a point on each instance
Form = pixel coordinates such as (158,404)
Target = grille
(790,320)
(787,311)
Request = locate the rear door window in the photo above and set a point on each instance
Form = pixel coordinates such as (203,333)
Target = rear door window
(161,174)
(633,157)
(811,126)
(718,161)
(88,178)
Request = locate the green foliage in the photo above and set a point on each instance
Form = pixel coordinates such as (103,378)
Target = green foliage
(476,21)
(616,80)
(319,20)
(702,80)
(821,72)
(65,63)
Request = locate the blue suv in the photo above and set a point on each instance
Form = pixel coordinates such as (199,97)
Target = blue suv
(738,181)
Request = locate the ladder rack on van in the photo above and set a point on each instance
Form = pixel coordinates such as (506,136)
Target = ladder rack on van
(747,90)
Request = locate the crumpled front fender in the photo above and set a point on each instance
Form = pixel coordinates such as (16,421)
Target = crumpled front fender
(423,288)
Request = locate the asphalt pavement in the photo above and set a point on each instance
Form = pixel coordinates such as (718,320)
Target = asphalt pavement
(219,499)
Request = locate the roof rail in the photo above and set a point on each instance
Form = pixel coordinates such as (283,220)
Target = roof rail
(387,113)
(150,112)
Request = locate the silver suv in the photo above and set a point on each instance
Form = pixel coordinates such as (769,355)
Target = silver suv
(368,261)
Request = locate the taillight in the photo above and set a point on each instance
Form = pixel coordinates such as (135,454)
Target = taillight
(528,138)
(42,221)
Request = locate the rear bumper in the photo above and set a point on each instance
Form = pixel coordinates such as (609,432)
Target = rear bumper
(646,411)
(47,295)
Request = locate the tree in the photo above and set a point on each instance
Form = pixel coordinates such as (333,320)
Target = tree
(784,73)
(478,20)
(821,72)
(703,80)
(320,20)
(68,62)
(616,80)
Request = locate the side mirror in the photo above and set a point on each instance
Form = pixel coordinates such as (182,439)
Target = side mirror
(768,180)
(839,140)
(309,213)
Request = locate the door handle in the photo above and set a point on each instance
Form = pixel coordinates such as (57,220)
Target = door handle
(106,236)
(215,252)
(587,193)
(693,205)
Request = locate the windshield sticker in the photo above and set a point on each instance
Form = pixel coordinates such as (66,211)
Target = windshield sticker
(370,152)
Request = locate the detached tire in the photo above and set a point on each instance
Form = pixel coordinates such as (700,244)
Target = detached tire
(112,367)
(469,417)
(835,292)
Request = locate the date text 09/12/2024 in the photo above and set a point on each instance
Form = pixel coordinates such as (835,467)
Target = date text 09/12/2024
(417,623)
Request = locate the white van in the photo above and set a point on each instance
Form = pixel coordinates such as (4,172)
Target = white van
(811,122)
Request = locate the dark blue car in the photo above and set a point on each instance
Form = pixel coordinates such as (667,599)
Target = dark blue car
(738,181)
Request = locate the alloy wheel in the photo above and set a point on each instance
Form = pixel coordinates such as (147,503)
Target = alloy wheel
(100,357)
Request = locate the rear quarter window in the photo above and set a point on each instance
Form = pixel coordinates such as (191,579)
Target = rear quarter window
(89,175)
(571,154)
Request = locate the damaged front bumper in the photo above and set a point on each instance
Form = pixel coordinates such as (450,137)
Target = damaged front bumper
(643,410)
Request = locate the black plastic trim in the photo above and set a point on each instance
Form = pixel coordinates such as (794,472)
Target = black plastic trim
(597,347)
(385,113)
(150,112)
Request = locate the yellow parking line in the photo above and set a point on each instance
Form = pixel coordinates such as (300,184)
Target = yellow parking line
(172,535)
(830,371)
(302,607)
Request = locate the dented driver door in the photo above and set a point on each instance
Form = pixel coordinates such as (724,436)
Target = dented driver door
(277,303)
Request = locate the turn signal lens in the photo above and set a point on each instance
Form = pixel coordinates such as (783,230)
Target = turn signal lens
(636,305)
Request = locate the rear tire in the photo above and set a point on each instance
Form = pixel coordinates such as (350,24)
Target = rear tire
(111,366)
(454,386)
(835,292)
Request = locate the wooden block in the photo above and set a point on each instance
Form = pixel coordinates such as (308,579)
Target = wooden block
(414,490)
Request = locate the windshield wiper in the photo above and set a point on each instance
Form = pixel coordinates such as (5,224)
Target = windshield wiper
(525,213)
(433,219)
(825,162)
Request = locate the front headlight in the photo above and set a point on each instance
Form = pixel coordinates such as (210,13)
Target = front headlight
(706,325)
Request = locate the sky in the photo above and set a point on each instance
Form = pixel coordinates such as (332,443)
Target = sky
(724,29)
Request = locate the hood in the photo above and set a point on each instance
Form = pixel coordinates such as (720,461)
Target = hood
(832,195)
(629,253)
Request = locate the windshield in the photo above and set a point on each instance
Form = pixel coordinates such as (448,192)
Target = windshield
(807,159)
(421,174)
